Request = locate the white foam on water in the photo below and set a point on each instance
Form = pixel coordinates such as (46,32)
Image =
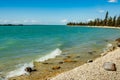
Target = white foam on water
(21,69)
(108,46)
(53,54)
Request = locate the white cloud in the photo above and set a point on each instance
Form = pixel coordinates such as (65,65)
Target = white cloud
(90,19)
(31,21)
(112,1)
(64,20)
(101,11)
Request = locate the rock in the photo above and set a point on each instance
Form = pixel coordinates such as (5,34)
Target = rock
(61,62)
(109,66)
(69,60)
(77,57)
(118,44)
(29,69)
(103,54)
(45,63)
(89,61)
(92,52)
(56,67)
(68,56)
(118,40)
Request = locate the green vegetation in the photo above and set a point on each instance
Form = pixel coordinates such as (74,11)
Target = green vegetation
(11,24)
(107,21)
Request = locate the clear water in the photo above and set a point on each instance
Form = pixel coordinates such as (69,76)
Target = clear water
(23,44)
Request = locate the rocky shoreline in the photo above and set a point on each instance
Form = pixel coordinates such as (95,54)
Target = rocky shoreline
(52,67)
(105,67)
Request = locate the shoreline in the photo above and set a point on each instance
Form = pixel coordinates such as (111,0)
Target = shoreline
(110,27)
(94,70)
(56,65)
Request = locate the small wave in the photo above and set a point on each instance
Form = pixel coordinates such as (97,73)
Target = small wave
(108,46)
(53,54)
(19,71)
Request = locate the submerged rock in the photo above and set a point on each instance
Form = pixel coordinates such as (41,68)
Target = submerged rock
(69,60)
(109,66)
(56,67)
(61,62)
(77,57)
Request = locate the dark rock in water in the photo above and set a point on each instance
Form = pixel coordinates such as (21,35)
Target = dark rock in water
(109,66)
(92,52)
(106,40)
(77,57)
(69,60)
(118,40)
(89,61)
(29,69)
(45,63)
(56,67)
(61,62)
(68,56)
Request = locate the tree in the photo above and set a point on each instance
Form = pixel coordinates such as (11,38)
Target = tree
(114,21)
(118,22)
(110,21)
(106,18)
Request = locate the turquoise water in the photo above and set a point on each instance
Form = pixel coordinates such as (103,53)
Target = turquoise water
(23,44)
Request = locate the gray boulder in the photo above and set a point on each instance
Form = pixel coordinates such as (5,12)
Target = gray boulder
(109,66)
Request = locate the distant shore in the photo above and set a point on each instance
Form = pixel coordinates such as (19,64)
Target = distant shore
(96,26)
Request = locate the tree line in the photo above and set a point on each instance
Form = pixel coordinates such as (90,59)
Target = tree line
(107,21)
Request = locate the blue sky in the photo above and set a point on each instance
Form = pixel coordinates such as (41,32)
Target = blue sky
(55,11)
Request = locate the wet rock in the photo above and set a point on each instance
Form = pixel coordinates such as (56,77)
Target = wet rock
(61,62)
(45,63)
(69,60)
(109,66)
(89,61)
(92,52)
(29,69)
(68,56)
(56,67)
(77,57)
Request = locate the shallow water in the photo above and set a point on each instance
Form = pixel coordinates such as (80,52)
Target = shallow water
(23,44)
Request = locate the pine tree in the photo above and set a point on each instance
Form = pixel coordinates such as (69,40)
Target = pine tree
(106,19)
(110,21)
(114,21)
(118,22)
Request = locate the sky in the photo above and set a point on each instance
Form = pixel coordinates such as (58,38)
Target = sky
(55,12)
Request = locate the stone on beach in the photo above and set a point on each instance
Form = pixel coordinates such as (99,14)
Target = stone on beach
(118,40)
(69,60)
(89,61)
(56,67)
(109,66)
